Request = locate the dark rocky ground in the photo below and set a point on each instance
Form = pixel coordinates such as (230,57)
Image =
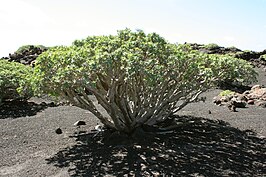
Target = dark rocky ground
(222,143)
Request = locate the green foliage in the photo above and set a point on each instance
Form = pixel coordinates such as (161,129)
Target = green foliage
(211,46)
(263,57)
(13,81)
(128,54)
(233,48)
(227,93)
(137,78)
(231,70)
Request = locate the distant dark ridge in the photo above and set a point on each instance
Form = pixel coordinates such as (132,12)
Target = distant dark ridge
(213,48)
(256,58)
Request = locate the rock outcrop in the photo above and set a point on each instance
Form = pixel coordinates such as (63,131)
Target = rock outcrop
(26,54)
(255,96)
(214,49)
(256,58)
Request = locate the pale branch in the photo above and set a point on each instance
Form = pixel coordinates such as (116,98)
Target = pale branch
(156,103)
(119,105)
(87,106)
(100,89)
(163,108)
(106,79)
(67,94)
(168,101)
(116,113)
(133,95)
(161,90)
(188,100)
(102,103)
(126,101)
(158,117)
(101,98)
(71,97)
(125,106)
(166,95)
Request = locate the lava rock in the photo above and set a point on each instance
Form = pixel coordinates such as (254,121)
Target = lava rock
(26,56)
(217,100)
(256,95)
(58,131)
(261,104)
(79,123)
(231,107)
(251,102)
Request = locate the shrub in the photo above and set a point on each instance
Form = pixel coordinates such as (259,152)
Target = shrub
(263,57)
(211,46)
(227,69)
(227,93)
(137,78)
(13,81)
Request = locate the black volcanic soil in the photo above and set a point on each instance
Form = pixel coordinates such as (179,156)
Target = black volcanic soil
(222,143)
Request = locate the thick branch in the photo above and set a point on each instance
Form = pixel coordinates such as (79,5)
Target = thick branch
(192,98)
(88,105)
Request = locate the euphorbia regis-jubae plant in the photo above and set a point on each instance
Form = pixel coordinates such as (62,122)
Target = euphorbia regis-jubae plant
(137,78)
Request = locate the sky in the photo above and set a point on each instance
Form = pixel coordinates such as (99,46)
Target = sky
(239,23)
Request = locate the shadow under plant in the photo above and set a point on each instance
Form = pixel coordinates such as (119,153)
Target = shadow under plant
(15,109)
(200,147)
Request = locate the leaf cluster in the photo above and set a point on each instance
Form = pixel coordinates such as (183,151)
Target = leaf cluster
(226,93)
(226,68)
(263,57)
(14,83)
(211,46)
